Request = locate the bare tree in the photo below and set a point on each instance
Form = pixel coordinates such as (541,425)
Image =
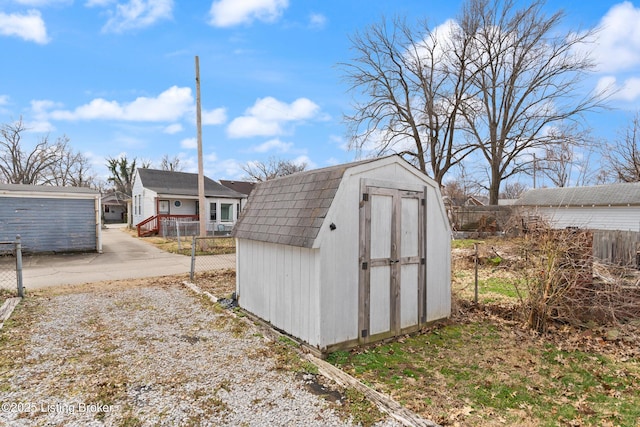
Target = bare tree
(73,169)
(561,159)
(173,164)
(413,90)
(513,190)
(624,157)
(123,173)
(273,168)
(525,79)
(46,164)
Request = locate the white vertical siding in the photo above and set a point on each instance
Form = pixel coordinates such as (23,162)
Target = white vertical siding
(438,257)
(313,293)
(279,284)
(624,218)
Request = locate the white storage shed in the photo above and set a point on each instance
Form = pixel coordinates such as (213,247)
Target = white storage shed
(346,255)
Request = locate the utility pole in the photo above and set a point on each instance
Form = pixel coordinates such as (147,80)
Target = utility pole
(201,200)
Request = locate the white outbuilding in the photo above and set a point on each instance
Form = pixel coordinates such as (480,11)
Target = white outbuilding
(346,255)
(599,207)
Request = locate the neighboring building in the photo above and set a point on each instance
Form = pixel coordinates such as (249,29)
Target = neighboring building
(601,207)
(51,219)
(159,194)
(114,208)
(344,255)
(244,187)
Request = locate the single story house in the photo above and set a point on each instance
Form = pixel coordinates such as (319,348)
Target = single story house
(600,207)
(115,208)
(51,219)
(345,255)
(159,194)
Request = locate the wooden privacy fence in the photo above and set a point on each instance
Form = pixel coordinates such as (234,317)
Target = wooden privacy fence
(616,247)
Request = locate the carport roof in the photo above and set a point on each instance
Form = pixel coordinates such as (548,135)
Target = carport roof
(183,184)
(290,210)
(622,194)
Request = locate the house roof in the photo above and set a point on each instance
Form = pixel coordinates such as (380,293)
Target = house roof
(290,210)
(24,188)
(183,184)
(600,195)
(244,187)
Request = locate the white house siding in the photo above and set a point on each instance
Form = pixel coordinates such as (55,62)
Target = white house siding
(625,218)
(286,293)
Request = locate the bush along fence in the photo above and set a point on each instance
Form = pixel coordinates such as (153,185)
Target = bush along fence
(211,253)
(11,265)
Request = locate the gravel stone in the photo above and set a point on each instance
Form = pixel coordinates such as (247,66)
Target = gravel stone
(155,355)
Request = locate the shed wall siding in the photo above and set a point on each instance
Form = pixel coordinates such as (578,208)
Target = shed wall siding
(438,258)
(597,218)
(49,224)
(279,284)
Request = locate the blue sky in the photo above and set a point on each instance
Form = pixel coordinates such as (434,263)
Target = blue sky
(118,76)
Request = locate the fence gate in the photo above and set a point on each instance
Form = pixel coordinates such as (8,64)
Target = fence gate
(392,284)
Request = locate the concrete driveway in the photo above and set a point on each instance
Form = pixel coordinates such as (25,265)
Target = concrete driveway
(123,257)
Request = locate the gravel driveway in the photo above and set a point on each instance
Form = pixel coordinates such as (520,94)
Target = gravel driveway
(144,354)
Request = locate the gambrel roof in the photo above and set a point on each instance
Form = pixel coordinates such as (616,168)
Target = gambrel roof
(623,194)
(183,184)
(290,210)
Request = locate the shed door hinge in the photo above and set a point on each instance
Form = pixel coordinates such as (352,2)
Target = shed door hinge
(365,197)
(365,265)
(423,202)
(364,333)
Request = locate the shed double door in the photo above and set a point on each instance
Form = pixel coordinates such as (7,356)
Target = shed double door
(392,284)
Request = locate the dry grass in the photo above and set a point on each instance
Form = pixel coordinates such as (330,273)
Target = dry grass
(484,367)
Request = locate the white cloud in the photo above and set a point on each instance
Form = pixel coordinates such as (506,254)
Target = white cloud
(29,26)
(629,90)
(4,99)
(618,41)
(189,144)
(170,105)
(273,145)
(268,116)
(214,117)
(227,13)
(304,160)
(43,3)
(317,21)
(173,129)
(135,14)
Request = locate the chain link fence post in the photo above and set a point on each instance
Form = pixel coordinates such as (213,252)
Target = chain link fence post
(193,259)
(19,266)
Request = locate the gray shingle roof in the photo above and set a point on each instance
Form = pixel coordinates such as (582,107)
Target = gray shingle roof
(47,189)
(290,210)
(183,184)
(599,195)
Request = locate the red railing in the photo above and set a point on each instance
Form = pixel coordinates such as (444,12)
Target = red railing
(151,225)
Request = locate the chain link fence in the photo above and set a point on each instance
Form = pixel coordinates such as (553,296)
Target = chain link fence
(11,266)
(213,264)
(181,228)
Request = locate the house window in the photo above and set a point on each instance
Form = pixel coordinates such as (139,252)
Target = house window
(237,210)
(106,209)
(226,212)
(212,212)
(177,203)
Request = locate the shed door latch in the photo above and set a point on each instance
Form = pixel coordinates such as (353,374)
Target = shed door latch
(365,265)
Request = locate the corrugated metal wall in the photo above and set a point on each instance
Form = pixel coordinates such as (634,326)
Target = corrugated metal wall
(49,225)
